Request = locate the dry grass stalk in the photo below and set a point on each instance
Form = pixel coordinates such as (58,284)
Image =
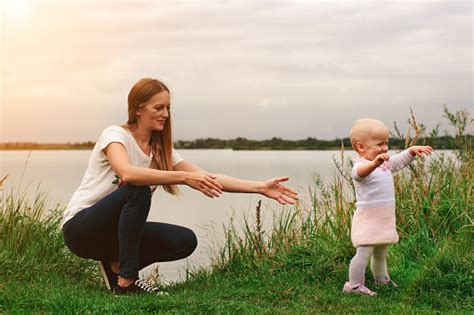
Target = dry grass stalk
(259,224)
(154,277)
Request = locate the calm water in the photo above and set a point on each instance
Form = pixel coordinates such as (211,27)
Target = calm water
(60,172)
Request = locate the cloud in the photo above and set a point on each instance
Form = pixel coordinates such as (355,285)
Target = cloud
(235,68)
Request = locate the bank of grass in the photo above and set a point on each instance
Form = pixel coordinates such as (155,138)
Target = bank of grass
(297,267)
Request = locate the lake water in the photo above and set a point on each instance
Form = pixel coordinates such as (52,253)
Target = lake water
(60,172)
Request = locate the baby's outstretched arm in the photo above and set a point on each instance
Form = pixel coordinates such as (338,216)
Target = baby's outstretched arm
(404,158)
(365,169)
(420,150)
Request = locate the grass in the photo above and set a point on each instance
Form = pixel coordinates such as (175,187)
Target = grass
(297,267)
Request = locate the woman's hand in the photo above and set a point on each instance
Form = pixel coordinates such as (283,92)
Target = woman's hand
(204,182)
(420,150)
(273,189)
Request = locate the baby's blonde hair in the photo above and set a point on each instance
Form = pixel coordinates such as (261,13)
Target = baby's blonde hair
(364,128)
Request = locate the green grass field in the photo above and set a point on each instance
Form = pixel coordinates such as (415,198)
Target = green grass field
(298,267)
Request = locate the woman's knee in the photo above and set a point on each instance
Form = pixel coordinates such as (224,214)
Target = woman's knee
(166,242)
(188,242)
(184,244)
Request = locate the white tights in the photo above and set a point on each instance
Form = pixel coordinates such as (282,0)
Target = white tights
(378,264)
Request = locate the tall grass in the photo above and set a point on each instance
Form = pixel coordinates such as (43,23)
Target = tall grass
(434,221)
(31,245)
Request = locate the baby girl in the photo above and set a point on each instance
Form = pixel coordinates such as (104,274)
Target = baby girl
(373,224)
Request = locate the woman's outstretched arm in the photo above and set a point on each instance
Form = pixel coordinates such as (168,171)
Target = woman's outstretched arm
(142,176)
(271,188)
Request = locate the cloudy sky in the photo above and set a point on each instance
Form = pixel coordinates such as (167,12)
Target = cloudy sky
(255,69)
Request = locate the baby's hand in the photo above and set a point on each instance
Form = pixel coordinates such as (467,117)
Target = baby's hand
(379,159)
(420,150)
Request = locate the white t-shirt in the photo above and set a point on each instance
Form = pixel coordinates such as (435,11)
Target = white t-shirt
(100,179)
(376,189)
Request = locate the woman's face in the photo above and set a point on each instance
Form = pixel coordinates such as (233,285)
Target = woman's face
(154,114)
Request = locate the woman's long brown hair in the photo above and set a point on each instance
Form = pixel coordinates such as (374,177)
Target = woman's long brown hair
(161,141)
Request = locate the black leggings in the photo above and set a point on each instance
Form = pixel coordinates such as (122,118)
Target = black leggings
(115,229)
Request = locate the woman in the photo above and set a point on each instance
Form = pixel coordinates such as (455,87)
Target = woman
(106,217)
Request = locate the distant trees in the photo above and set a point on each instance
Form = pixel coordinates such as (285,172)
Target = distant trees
(443,142)
(437,142)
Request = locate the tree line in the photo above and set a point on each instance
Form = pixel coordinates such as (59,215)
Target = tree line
(439,143)
(443,142)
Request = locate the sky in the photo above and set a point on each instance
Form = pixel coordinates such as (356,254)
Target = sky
(254,69)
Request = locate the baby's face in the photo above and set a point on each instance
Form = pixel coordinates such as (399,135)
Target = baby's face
(376,144)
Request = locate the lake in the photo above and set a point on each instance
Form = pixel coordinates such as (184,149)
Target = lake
(60,172)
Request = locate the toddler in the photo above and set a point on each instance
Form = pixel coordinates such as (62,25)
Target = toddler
(373,224)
